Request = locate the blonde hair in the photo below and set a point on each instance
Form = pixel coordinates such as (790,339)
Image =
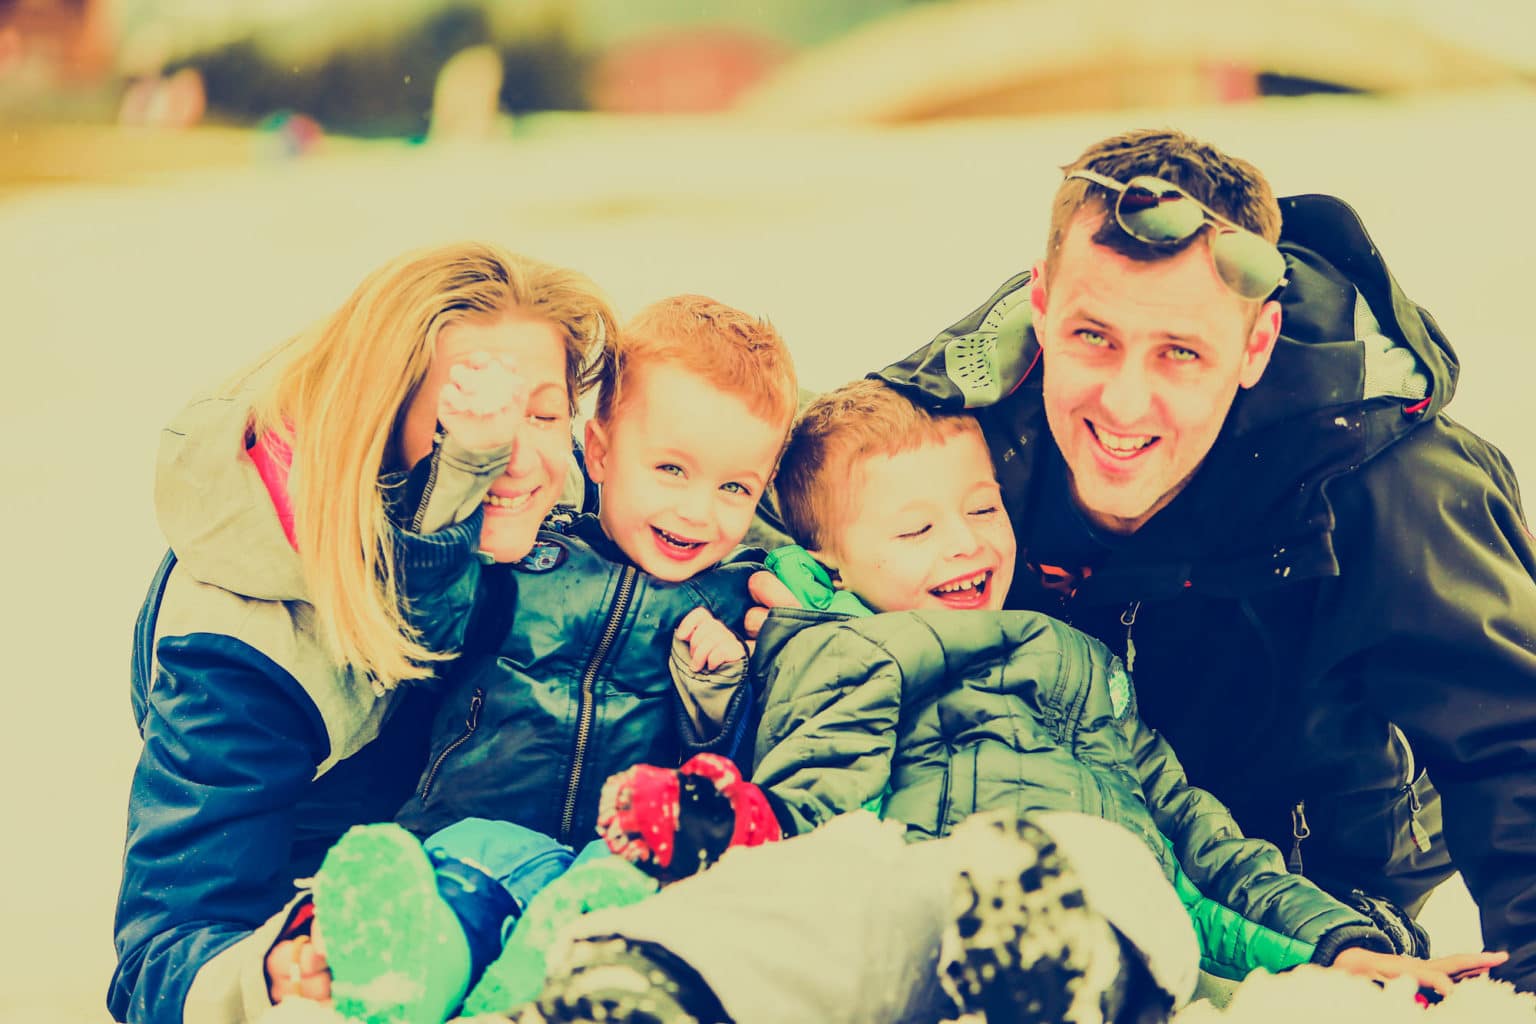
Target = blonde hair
(336,396)
(838,430)
(735,352)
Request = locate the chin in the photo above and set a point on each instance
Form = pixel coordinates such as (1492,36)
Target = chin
(508,544)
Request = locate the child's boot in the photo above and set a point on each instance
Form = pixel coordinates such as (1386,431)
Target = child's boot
(396,950)
(1025,947)
(517,974)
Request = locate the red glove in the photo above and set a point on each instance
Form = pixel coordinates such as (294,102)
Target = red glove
(675,822)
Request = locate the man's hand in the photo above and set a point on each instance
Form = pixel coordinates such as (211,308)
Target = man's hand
(710,643)
(1438,974)
(769,592)
(296,969)
(484,404)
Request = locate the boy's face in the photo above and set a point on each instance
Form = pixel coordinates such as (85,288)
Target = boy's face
(926,529)
(682,465)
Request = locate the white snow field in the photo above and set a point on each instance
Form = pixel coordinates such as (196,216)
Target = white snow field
(117,301)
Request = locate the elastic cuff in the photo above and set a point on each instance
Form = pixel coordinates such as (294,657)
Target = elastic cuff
(1349,936)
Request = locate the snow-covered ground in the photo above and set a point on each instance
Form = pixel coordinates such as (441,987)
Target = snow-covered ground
(116,302)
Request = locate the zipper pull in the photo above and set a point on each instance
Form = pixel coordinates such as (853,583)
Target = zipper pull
(1128,619)
(1299,831)
(1418,832)
(476,702)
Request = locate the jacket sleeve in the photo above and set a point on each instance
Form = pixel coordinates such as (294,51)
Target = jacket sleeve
(1248,910)
(230,743)
(1435,544)
(435,517)
(827,738)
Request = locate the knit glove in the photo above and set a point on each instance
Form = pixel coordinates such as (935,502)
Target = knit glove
(672,823)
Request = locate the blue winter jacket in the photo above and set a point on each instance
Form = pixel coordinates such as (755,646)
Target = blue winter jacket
(258,750)
(576,688)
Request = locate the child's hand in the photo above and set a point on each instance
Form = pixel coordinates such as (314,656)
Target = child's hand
(769,592)
(484,402)
(296,969)
(710,643)
(1438,974)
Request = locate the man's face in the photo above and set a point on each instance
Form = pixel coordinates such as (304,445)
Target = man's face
(1142,361)
(926,528)
(682,465)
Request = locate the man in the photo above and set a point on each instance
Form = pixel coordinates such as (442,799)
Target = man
(1238,473)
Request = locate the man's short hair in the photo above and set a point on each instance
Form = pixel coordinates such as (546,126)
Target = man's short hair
(1231,186)
(739,354)
(834,433)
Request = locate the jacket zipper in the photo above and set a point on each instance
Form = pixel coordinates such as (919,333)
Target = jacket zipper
(1299,831)
(471,723)
(426,491)
(585,708)
(1417,832)
(1128,619)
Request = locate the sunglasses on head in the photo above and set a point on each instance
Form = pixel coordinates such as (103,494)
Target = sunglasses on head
(1158,212)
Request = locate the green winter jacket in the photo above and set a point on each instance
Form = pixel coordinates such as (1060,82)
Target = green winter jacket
(953,713)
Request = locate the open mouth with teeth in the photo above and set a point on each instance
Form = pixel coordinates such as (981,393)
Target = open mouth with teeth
(515,503)
(673,546)
(1121,446)
(965,591)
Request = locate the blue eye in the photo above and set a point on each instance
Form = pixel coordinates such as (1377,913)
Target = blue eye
(735,488)
(670,469)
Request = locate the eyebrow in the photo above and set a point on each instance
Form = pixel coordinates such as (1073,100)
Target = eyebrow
(1088,319)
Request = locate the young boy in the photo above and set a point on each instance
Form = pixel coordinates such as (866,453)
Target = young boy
(622,649)
(1087,857)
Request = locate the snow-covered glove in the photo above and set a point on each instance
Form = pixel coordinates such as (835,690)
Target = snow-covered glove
(675,822)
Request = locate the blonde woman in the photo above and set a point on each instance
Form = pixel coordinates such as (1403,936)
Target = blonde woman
(277,677)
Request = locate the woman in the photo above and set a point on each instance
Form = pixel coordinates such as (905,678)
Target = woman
(274,659)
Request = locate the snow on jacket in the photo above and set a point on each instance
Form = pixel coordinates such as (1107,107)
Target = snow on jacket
(258,749)
(1341,597)
(574,686)
(950,713)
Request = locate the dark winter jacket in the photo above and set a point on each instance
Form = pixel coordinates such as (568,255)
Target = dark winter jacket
(574,687)
(954,713)
(1341,597)
(258,750)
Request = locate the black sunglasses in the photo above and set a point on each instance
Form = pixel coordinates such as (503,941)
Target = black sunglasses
(1159,212)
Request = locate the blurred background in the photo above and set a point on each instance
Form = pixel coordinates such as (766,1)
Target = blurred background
(184,183)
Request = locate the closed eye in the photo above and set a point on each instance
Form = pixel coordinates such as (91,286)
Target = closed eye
(914,533)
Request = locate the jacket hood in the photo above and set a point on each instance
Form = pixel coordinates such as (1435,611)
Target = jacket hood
(214,508)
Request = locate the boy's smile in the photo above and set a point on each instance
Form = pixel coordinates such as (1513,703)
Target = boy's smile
(926,528)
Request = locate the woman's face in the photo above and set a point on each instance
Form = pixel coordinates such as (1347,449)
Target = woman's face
(523,495)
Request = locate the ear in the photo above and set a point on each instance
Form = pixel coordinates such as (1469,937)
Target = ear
(1037,294)
(596,450)
(1260,345)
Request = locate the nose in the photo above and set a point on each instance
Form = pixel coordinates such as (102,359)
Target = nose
(1127,395)
(694,503)
(524,459)
(958,538)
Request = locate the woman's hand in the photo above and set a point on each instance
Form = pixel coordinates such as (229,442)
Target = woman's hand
(296,969)
(484,404)
(1438,974)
